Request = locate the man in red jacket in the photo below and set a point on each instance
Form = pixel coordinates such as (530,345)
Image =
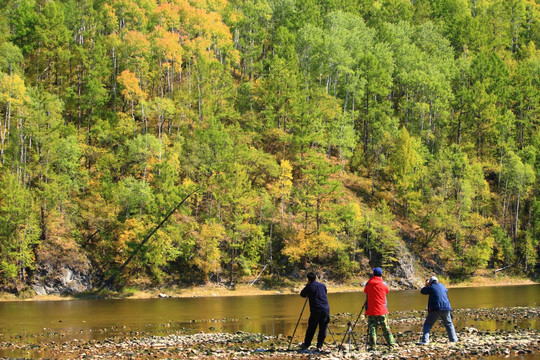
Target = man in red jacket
(377,309)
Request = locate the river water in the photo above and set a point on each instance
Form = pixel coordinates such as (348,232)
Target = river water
(38,321)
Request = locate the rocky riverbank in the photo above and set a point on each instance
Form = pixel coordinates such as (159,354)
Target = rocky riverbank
(256,346)
(521,342)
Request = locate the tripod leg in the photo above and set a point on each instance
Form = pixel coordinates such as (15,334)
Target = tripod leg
(298,322)
(344,336)
(330,331)
(350,337)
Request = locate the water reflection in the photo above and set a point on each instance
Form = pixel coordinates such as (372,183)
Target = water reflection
(273,315)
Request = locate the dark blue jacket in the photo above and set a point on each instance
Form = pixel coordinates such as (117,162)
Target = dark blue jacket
(438,298)
(316,292)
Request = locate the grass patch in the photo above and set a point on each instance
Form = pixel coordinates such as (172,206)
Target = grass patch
(128,291)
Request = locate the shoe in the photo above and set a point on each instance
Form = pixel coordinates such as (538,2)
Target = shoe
(421,343)
(303,347)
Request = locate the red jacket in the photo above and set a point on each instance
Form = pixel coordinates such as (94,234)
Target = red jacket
(376,290)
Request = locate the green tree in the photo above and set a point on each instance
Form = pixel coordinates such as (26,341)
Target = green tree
(20,231)
(317,192)
(406,166)
(283,186)
(381,239)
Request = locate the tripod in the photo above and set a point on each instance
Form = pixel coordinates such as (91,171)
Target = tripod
(350,328)
(349,335)
(298,322)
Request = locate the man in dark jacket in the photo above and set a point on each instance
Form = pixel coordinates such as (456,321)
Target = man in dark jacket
(438,307)
(320,311)
(377,308)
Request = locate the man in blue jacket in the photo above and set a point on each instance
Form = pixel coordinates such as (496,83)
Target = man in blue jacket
(320,311)
(438,307)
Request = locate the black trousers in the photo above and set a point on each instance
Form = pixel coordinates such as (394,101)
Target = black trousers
(318,318)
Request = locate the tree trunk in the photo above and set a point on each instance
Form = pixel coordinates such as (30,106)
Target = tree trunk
(505,197)
(317,215)
(114,78)
(282,206)
(3,132)
(231,265)
(517,215)
(200,101)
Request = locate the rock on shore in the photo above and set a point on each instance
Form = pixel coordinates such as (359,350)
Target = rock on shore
(257,346)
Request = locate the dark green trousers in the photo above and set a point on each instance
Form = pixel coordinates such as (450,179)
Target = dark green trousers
(379,320)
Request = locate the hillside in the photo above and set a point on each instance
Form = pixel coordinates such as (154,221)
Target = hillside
(327,135)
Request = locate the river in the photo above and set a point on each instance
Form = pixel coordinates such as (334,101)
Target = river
(37,321)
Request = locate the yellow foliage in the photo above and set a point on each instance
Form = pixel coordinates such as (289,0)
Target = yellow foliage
(297,247)
(132,91)
(187,183)
(109,16)
(137,43)
(307,247)
(282,188)
(208,259)
(203,23)
(357,210)
(12,89)
(125,123)
(133,13)
(325,245)
(133,228)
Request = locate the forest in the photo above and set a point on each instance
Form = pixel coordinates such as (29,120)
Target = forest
(333,135)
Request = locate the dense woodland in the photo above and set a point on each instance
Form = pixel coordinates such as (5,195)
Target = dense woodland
(325,134)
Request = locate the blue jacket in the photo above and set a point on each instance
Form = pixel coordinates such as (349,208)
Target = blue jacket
(438,298)
(316,292)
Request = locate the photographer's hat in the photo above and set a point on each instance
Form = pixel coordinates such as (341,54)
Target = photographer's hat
(377,271)
(433,279)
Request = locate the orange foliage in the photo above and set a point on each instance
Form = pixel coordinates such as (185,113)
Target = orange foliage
(203,24)
(167,15)
(168,44)
(197,24)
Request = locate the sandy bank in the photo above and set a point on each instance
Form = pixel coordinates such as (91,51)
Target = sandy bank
(212,290)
